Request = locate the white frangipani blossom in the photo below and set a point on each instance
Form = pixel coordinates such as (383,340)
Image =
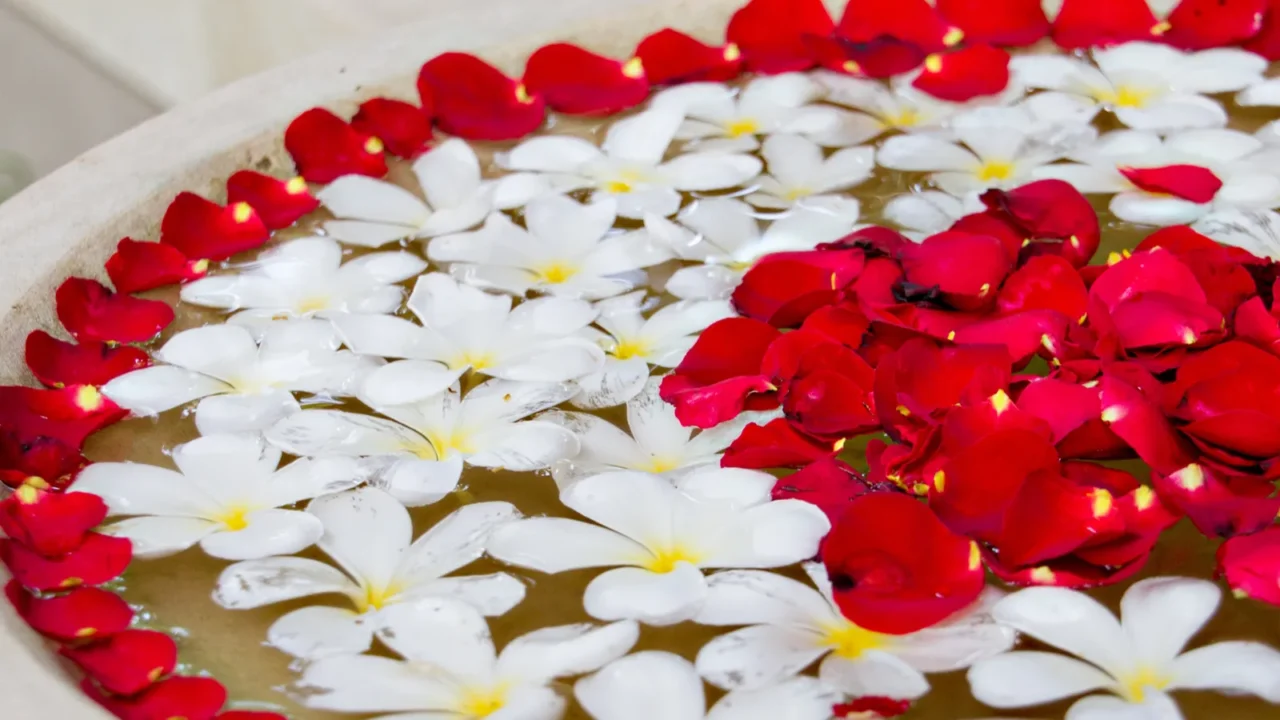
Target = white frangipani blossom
(307,278)
(658,536)
(227,495)
(925,213)
(417,455)
(657,442)
(629,166)
(791,625)
(464,328)
(372,213)
(724,234)
(635,343)
(801,176)
(653,684)
(1147,86)
(242,384)
(897,105)
(369,535)
(451,671)
(568,249)
(1257,231)
(1137,660)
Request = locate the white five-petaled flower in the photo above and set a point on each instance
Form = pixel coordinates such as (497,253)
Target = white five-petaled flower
(791,625)
(653,684)
(1146,85)
(657,443)
(724,234)
(451,671)
(370,537)
(1137,660)
(569,249)
(464,328)
(372,213)
(659,536)
(417,454)
(634,343)
(800,175)
(242,385)
(306,278)
(226,495)
(629,166)
(927,212)
(897,106)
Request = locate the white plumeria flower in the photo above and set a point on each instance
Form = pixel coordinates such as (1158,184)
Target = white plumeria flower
(417,454)
(451,671)
(898,106)
(657,443)
(724,234)
(791,625)
(370,537)
(464,328)
(928,212)
(372,213)
(629,166)
(226,495)
(307,278)
(242,385)
(1265,93)
(659,536)
(651,685)
(1257,231)
(801,175)
(1138,660)
(634,343)
(569,249)
(722,118)
(1146,85)
(1236,158)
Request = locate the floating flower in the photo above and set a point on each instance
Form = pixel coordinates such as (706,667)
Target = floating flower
(671,57)
(324,148)
(801,176)
(628,166)
(579,82)
(241,384)
(474,100)
(657,684)
(372,213)
(896,106)
(568,249)
(1147,86)
(417,455)
(659,536)
(307,278)
(1046,217)
(226,495)
(452,671)
(792,625)
(370,535)
(928,212)
(1138,660)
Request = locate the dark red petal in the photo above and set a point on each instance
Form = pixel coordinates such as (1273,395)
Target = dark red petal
(1224,272)
(580,82)
(137,266)
(1141,424)
(1150,271)
(89,311)
(205,230)
(966,268)
(1086,23)
(1156,319)
(914,22)
(475,101)
(1068,572)
(671,57)
(128,662)
(922,378)
(1023,335)
(45,458)
(784,288)
(1201,24)
(964,74)
(882,57)
(1074,413)
(1216,509)
(1052,517)
(1251,565)
(720,371)
(844,323)
(998,22)
(1054,218)
(1047,282)
(181,696)
(774,35)
(826,483)
(280,203)
(403,128)
(975,486)
(878,707)
(325,147)
(68,415)
(1188,182)
(57,364)
(98,559)
(85,612)
(1267,41)
(1255,325)
(775,444)
(50,523)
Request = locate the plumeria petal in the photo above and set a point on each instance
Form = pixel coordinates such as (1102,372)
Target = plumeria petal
(649,597)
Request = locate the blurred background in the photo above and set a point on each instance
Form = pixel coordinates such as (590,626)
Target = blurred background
(74,73)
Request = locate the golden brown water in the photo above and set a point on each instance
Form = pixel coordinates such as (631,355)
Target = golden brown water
(173,594)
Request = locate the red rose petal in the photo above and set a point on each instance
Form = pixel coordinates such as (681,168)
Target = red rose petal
(1254,324)
(181,696)
(403,128)
(475,101)
(205,230)
(1213,506)
(827,483)
(1048,217)
(1086,23)
(1251,565)
(828,392)
(65,416)
(1141,424)
(967,269)
(1146,272)
(85,612)
(128,662)
(1201,24)
(919,381)
(58,364)
(44,458)
(325,147)
(89,311)
(914,22)
(279,203)
(137,266)
(1024,335)
(1223,272)
(1267,41)
(98,559)
(1068,572)
(1047,282)
(784,288)
(871,708)
(775,36)
(671,57)
(50,523)
(1188,182)
(1074,413)
(249,715)
(965,74)
(998,22)
(719,373)
(1052,517)
(775,444)
(579,82)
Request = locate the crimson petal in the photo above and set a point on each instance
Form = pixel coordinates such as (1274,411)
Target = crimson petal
(325,147)
(128,662)
(403,128)
(475,101)
(671,57)
(914,22)
(1267,41)
(966,268)
(57,363)
(827,483)
(1049,210)
(998,22)
(98,559)
(775,444)
(1189,182)
(1251,565)
(965,74)
(44,458)
(1088,23)
(720,372)
(89,311)
(85,612)
(50,523)
(1213,505)
(180,696)
(137,266)
(579,82)
(775,36)
(1140,423)
(1201,24)
(784,288)
(280,203)
(205,230)
(66,416)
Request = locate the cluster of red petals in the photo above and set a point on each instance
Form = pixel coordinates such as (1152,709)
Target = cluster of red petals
(325,147)
(404,129)
(579,82)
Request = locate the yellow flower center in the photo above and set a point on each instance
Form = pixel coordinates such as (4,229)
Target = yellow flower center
(904,118)
(795,193)
(558,272)
(618,187)
(233,518)
(995,170)
(626,349)
(740,127)
(376,598)
(664,561)
(1134,686)
(849,641)
(661,464)
(312,304)
(474,360)
(1125,96)
(443,446)
(482,702)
